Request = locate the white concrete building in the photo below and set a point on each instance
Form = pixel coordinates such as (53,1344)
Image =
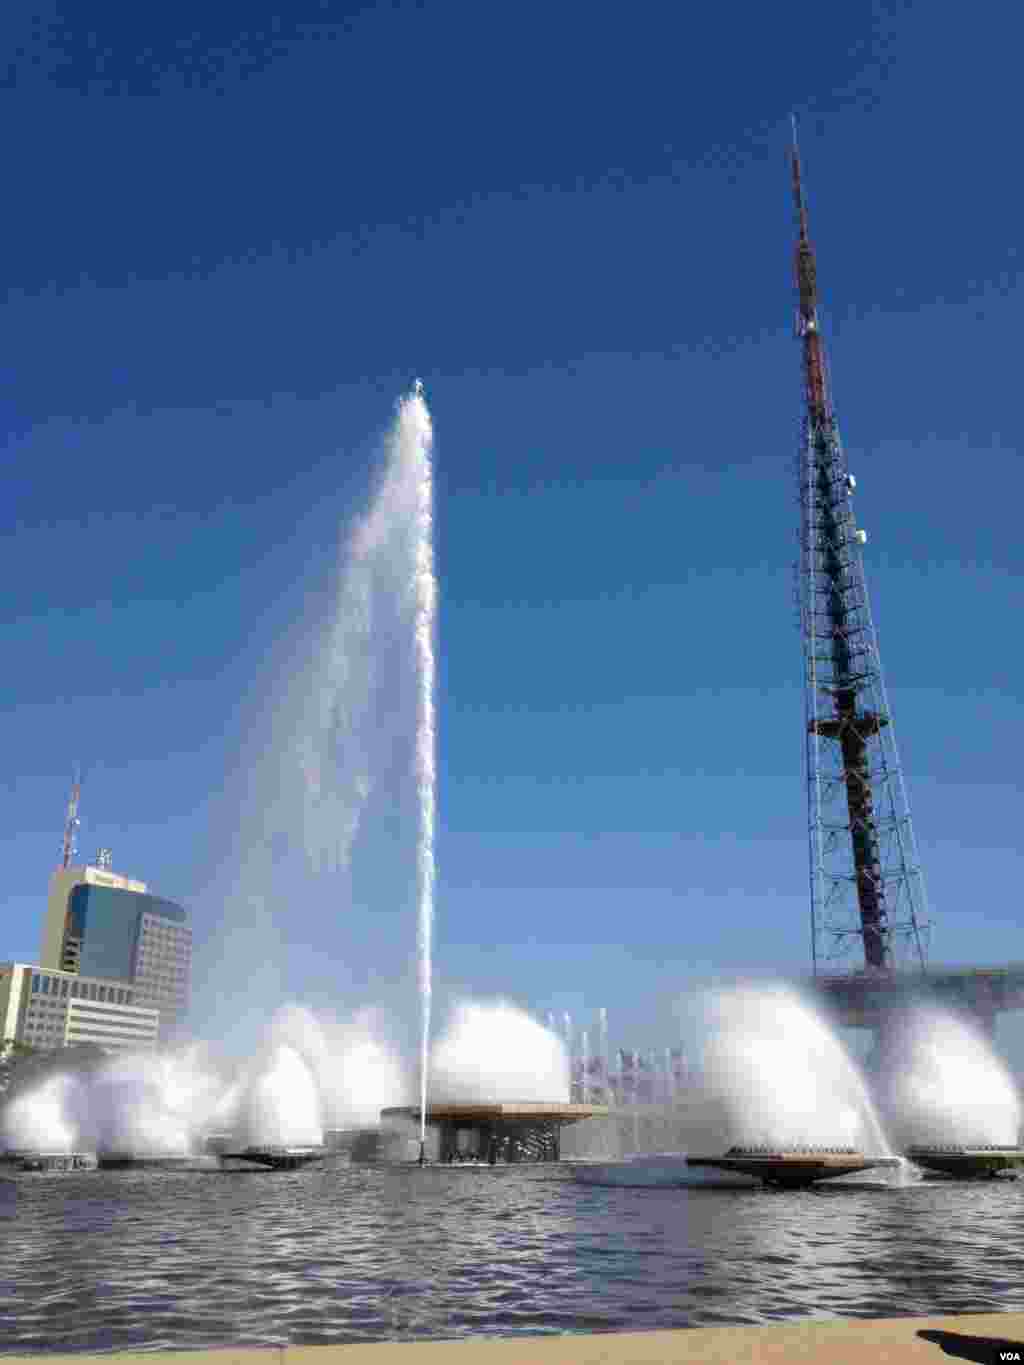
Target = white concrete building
(50,1009)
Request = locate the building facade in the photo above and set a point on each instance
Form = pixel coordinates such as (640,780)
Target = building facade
(51,1009)
(107,927)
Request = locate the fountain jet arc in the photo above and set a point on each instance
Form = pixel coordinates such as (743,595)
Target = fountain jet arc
(413,435)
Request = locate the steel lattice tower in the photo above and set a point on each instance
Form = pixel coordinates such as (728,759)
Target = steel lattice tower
(866,877)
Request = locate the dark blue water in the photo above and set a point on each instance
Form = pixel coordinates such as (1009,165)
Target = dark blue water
(102,1261)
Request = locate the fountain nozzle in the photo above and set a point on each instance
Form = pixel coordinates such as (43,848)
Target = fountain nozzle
(421,1160)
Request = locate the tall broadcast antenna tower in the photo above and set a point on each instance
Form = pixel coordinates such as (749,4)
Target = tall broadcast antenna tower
(867,887)
(69,844)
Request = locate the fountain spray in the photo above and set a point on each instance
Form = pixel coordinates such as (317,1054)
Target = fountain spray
(414,431)
(602,1024)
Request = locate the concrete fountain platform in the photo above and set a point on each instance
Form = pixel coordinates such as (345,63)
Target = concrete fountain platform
(277,1158)
(793,1167)
(39,1160)
(124,1161)
(967,1163)
(853,1341)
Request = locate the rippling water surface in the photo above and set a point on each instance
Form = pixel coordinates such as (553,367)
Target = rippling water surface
(346,1253)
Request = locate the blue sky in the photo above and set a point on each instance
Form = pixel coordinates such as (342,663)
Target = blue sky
(234,237)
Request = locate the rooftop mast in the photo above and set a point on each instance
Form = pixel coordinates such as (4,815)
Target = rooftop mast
(866,879)
(71,821)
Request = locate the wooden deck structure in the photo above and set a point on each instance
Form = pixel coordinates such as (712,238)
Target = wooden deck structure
(512,1131)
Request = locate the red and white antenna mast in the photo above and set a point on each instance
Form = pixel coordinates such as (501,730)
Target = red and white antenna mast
(72,821)
(867,884)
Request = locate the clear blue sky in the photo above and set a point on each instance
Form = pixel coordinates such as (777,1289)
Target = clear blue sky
(233,233)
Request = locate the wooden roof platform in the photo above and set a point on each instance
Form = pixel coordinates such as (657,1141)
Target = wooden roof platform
(512,1111)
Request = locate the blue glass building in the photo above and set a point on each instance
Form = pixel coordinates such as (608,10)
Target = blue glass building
(104,926)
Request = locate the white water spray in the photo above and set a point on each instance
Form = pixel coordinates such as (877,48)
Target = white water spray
(496,1053)
(41,1119)
(412,439)
(783,1075)
(943,1083)
(389,561)
(282,1105)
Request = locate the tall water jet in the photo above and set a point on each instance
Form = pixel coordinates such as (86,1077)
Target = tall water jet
(388,568)
(413,439)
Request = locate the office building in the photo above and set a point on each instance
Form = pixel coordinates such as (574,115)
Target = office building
(51,1009)
(103,926)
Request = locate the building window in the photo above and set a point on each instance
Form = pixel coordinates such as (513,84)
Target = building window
(64,987)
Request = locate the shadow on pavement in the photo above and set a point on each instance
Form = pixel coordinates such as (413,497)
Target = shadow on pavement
(985,1350)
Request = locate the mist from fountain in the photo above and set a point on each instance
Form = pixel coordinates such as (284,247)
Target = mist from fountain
(281,1106)
(782,1076)
(305,1075)
(774,1074)
(942,1083)
(357,1073)
(150,1105)
(496,1052)
(308,1073)
(42,1120)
